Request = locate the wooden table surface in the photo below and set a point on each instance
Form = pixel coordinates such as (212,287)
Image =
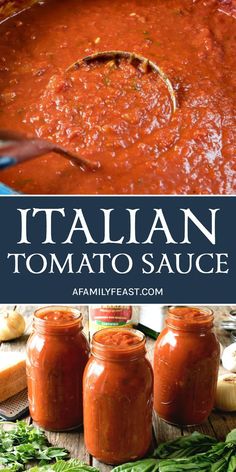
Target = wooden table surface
(218,424)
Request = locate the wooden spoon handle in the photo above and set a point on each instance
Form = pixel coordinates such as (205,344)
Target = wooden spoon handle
(23,149)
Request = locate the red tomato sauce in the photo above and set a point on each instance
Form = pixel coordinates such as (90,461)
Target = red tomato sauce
(118,397)
(118,338)
(60,317)
(186,363)
(57,352)
(118,116)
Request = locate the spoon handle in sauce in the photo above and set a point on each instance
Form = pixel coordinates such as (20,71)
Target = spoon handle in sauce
(20,148)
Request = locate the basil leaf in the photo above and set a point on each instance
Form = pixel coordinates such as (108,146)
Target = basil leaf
(232,464)
(145,465)
(24,443)
(185,446)
(231,437)
(73,465)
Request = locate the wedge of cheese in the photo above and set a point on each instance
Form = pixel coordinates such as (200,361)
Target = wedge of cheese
(12,374)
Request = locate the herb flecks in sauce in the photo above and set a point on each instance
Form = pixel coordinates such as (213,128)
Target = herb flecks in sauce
(194,152)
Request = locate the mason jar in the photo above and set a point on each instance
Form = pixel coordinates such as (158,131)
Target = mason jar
(118,397)
(57,353)
(186,363)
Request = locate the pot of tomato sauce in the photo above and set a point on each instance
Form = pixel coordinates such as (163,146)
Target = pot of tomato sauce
(115,115)
(186,363)
(118,396)
(57,352)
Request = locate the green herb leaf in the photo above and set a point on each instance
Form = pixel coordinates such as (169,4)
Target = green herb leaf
(22,444)
(232,464)
(146,465)
(214,460)
(73,465)
(196,452)
(231,437)
(185,446)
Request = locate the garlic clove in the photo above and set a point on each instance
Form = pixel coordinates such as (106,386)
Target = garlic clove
(226,392)
(229,358)
(12,326)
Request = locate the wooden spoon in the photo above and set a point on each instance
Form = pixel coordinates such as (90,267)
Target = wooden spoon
(142,63)
(22,148)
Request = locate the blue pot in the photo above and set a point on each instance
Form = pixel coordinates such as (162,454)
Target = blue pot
(5,190)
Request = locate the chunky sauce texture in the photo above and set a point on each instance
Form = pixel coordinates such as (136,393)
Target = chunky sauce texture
(190,317)
(57,352)
(118,397)
(120,338)
(117,115)
(186,363)
(60,317)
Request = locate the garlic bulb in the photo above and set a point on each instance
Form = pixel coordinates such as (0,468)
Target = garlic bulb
(229,358)
(12,325)
(226,392)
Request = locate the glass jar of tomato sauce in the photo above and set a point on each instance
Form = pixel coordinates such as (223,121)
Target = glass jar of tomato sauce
(118,396)
(57,353)
(186,363)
